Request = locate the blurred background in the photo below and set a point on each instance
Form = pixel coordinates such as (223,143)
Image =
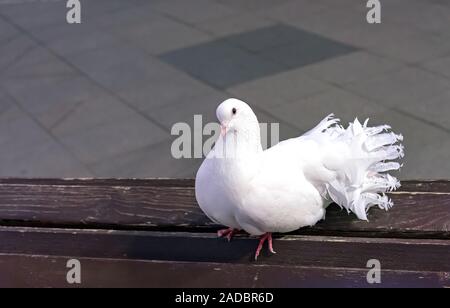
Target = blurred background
(98,99)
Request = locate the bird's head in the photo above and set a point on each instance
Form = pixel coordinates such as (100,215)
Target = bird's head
(236,116)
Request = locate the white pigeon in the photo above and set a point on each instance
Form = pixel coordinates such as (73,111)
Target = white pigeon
(289,185)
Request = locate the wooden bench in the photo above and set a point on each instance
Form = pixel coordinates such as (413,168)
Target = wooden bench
(151,233)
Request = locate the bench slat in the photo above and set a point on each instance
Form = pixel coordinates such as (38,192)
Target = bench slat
(171,205)
(410,185)
(50,271)
(292,250)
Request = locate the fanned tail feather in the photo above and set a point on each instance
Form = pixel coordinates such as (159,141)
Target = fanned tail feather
(361,182)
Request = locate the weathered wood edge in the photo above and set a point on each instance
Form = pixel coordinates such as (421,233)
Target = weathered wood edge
(157,182)
(50,271)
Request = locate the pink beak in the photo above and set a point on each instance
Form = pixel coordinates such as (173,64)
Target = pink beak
(223,130)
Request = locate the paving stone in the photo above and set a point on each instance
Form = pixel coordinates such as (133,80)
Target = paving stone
(37,62)
(194,11)
(151,161)
(279,89)
(67,40)
(252,5)
(412,48)
(139,11)
(235,24)
(5,102)
(95,9)
(329,20)
(15,49)
(397,36)
(429,162)
(185,110)
(306,52)
(419,139)
(7,31)
(36,14)
(48,99)
(99,63)
(152,84)
(398,41)
(406,87)
(307,112)
(279,48)
(435,110)
(277,35)
(147,34)
(439,65)
(233,65)
(350,68)
(286,130)
(92,113)
(112,137)
(286,11)
(428,16)
(140,79)
(281,37)
(28,150)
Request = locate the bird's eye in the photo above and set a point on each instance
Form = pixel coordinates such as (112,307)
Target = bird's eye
(234,110)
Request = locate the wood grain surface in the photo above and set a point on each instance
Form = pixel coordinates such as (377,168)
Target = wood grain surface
(171,205)
(151,233)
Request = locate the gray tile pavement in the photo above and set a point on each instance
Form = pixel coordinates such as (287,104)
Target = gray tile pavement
(150,161)
(252,5)
(238,23)
(7,31)
(157,34)
(162,85)
(357,66)
(113,137)
(202,104)
(423,143)
(13,49)
(254,54)
(279,88)
(99,99)
(233,65)
(406,87)
(5,102)
(195,11)
(28,150)
(440,65)
(49,99)
(36,62)
(304,112)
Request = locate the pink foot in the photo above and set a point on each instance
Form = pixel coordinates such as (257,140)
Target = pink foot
(264,237)
(228,233)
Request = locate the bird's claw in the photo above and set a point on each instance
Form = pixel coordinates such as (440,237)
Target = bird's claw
(264,237)
(228,233)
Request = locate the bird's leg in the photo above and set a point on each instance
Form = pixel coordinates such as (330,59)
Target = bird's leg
(270,242)
(229,232)
(264,237)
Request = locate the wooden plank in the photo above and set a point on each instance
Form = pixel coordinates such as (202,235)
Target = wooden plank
(439,186)
(293,250)
(170,204)
(50,271)
(144,206)
(413,216)
(409,185)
